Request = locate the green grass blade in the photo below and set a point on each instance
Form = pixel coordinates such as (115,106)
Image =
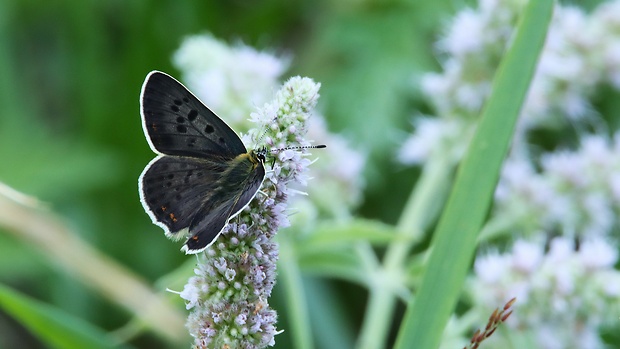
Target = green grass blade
(455,238)
(53,326)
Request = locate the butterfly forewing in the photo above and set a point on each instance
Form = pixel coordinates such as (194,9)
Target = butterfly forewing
(178,123)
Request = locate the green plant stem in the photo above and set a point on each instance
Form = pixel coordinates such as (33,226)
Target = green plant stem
(297,305)
(421,208)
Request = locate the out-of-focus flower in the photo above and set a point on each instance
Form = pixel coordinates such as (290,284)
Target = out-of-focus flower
(575,193)
(580,56)
(230,79)
(338,174)
(436,137)
(563,294)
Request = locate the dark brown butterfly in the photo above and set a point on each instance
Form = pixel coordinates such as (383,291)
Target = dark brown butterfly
(203,175)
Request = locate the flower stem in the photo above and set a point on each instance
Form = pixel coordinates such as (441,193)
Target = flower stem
(295,295)
(421,209)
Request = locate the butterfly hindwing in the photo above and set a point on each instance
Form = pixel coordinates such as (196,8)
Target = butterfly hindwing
(243,179)
(177,123)
(173,189)
(207,227)
(252,186)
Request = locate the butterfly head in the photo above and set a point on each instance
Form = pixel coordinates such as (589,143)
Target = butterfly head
(261,154)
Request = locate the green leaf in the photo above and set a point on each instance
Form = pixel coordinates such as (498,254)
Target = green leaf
(329,234)
(342,263)
(454,242)
(54,327)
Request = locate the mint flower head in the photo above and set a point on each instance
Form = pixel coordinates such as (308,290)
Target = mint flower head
(228,296)
(580,58)
(575,192)
(565,292)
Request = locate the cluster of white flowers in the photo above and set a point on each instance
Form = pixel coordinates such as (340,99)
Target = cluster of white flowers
(581,54)
(563,294)
(575,192)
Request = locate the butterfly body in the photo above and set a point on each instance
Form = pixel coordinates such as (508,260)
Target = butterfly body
(203,175)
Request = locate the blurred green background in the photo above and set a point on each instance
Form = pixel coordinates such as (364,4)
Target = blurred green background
(70,132)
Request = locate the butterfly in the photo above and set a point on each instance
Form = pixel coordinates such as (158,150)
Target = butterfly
(203,175)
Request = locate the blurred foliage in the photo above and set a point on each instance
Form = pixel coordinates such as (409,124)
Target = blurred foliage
(56,328)
(70,132)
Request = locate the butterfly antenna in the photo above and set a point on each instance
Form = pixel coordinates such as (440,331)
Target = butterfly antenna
(286,148)
(260,139)
(265,131)
(298,147)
